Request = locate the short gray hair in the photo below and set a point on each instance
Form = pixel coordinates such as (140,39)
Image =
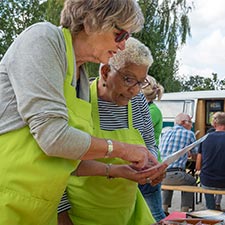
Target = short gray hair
(134,52)
(101,15)
(181,117)
(218,118)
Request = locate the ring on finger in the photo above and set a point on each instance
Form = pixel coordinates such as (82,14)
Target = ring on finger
(148,180)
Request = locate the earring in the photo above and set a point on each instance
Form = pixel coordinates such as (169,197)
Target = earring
(104,85)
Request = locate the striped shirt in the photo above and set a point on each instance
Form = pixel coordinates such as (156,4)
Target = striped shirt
(113,117)
(64,204)
(173,140)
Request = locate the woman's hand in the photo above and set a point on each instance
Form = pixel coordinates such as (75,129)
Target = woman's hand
(153,175)
(139,156)
(153,172)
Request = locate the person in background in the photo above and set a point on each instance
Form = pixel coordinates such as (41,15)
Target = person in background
(120,112)
(45,116)
(218,198)
(154,91)
(171,141)
(211,158)
(152,194)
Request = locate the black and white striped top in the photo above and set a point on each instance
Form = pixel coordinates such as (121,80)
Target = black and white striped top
(114,117)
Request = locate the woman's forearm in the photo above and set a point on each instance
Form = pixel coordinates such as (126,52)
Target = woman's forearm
(138,155)
(96,168)
(90,168)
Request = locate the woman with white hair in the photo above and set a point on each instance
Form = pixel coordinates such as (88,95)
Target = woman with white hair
(119,112)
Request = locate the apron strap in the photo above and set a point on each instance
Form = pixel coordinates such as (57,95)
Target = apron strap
(69,55)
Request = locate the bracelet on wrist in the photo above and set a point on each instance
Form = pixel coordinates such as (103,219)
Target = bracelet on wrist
(110,148)
(107,171)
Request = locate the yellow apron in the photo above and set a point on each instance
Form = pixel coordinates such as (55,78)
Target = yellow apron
(100,201)
(31,183)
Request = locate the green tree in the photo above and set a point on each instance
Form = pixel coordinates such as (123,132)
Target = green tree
(53,11)
(199,83)
(166,29)
(16,15)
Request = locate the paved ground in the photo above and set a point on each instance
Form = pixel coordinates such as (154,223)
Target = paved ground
(200,206)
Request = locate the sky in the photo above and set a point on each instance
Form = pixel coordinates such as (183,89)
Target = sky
(204,52)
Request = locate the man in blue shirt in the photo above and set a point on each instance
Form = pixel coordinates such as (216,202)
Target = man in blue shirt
(211,158)
(173,140)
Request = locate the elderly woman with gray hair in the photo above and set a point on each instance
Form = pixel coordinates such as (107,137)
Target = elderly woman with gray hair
(45,114)
(104,191)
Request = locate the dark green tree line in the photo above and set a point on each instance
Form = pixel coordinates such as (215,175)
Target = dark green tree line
(199,83)
(166,28)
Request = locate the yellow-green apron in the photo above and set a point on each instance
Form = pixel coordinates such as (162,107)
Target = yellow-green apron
(31,183)
(100,201)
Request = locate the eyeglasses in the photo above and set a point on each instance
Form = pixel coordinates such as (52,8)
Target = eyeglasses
(131,82)
(122,35)
(189,121)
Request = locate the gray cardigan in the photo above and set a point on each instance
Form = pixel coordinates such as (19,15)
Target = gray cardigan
(32,75)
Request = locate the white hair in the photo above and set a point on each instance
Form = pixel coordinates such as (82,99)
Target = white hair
(134,52)
(181,117)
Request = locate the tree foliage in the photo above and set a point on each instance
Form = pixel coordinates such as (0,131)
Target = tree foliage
(199,83)
(16,15)
(166,29)
(53,11)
